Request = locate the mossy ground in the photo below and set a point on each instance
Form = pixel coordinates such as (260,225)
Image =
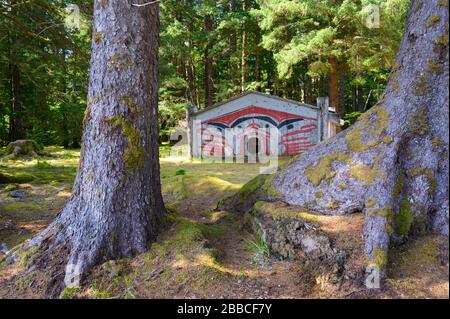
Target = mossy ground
(201,253)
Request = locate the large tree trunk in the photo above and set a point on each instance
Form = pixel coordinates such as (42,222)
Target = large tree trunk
(116,205)
(16,128)
(393,163)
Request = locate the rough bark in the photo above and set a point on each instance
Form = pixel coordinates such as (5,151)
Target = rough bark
(393,163)
(116,204)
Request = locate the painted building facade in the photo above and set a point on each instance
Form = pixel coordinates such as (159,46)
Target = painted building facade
(255,122)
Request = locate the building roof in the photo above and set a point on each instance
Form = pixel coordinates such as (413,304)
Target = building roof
(253,92)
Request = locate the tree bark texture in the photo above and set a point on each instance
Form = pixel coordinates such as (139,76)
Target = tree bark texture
(116,204)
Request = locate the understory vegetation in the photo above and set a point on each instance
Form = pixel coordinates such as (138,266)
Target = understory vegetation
(201,252)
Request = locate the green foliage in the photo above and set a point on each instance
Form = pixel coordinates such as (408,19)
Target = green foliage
(258,245)
(180,172)
(51,61)
(283,45)
(351,118)
(404,217)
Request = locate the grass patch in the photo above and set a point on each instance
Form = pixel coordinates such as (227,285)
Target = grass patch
(258,245)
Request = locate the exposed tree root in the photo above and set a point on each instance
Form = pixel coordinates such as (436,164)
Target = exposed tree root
(393,163)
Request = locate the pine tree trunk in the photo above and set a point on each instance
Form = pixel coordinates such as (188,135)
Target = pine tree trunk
(392,164)
(243,49)
(309,84)
(17,132)
(116,204)
(209,86)
(360,98)
(354,109)
(333,85)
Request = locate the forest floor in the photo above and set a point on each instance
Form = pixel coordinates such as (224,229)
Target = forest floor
(201,252)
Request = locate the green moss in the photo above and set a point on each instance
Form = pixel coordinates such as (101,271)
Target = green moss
(386,212)
(387,139)
(433,20)
(343,186)
(389,229)
(17,177)
(421,86)
(98,36)
(404,218)
(131,105)
(382,120)
(354,138)
(436,67)
(262,183)
(379,257)
(437,142)
(442,41)
(278,210)
(69,293)
(354,141)
(366,174)
(319,194)
(398,187)
(19,207)
(443,3)
(121,61)
(134,154)
(419,123)
(332,206)
(323,170)
(371,202)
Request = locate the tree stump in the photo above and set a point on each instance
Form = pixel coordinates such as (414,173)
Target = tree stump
(22,148)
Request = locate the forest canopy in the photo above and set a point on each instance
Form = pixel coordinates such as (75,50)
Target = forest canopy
(209,51)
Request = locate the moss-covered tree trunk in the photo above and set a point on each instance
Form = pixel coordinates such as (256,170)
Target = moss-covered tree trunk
(393,163)
(116,205)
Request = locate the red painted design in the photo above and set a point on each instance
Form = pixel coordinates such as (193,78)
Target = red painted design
(295,137)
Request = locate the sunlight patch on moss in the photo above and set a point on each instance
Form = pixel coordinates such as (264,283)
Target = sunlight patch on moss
(366,174)
(323,171)
(354,138)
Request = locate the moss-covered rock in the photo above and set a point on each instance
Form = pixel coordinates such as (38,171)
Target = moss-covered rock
(287,230)
(26,149)
(259,188)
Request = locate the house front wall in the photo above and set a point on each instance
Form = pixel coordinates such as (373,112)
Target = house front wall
(275,126)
